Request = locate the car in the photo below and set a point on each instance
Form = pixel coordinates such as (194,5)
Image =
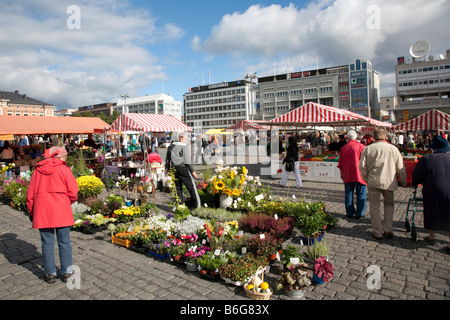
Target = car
(164,142)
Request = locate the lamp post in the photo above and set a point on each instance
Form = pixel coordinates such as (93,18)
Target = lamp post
(124,108)
(250,77)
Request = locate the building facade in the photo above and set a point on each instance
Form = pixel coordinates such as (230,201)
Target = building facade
(17,104)
(105,108)
(422,84)
(353,87)
(220,105)
(151,104)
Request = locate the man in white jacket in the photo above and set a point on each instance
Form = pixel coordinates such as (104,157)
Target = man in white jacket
(380,165)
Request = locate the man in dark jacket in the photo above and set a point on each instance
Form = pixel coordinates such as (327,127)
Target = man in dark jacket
(433,171)
(179,157)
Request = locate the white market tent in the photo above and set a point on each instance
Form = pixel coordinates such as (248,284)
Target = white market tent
(148,123)
(433,120)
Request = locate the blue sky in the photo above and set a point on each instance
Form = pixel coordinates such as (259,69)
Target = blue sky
(149,47)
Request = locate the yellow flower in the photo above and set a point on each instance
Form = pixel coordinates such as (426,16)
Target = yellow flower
(214,190)
(236,192)
(244,170)
(227,191)
(220,185)
(242,180)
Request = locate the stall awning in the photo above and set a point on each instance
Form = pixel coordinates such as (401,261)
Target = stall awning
(433,120)
(245,125)
(18,125)
(317,114)
(148,123)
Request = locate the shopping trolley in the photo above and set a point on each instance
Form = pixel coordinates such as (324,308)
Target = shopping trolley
(410,225)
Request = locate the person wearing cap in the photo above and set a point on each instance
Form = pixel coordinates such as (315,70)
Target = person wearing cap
(51,192)
(433,172)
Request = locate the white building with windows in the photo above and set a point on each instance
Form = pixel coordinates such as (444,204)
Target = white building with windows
(220,105)
(151,104)
(353,87)
(422,84)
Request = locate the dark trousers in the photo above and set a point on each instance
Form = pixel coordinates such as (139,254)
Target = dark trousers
(184,177)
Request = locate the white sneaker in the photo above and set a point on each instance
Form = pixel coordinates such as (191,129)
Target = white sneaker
(298,186)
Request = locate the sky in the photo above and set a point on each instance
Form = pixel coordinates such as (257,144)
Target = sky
(79,52)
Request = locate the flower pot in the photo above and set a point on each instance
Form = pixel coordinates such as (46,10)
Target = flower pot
(159,256)
(191,266)
(202,271)
(317,279)
(87,200)
(296,293)
(225,201)
(310,241)
(177,258)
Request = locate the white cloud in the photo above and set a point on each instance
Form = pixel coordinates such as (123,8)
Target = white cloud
(337,31)
(106,57)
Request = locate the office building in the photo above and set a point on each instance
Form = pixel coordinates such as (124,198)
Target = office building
(422,84)
(220,105)
(353,87)
(152,104)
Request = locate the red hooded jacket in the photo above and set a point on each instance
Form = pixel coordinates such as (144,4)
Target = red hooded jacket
(51,192)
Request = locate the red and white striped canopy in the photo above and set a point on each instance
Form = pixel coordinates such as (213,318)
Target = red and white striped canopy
(148,123)
(245,125)
(314,113)
(434,120)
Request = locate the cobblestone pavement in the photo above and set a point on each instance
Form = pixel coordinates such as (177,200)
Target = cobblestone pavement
(408,270)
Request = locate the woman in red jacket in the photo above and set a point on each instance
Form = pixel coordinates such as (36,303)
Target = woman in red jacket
(51,192)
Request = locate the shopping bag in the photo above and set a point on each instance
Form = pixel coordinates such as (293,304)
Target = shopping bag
(290,164)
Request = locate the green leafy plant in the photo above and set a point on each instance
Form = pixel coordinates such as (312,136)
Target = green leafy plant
(318,249)
(291,252)
(294,278)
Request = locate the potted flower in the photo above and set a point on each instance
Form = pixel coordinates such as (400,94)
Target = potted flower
(160,250)
(192,254)
(228,182)
(240,269)
(323,270)
(289,253)
(294,280)
(177,248)
(89,187)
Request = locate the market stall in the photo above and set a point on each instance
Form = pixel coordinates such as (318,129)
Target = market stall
(433,120)
(29,155)
(151,171)
(314,165)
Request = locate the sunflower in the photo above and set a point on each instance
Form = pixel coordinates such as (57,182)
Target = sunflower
(242,179)
(220,185)
(244,170)
(227,191)
(237,192)
(214,190)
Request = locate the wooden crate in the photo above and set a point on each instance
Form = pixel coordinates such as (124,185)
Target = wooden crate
(121,242)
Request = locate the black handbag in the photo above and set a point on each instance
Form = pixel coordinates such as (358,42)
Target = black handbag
(290,164)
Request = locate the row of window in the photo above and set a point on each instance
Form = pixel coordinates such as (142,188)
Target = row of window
(26,114)
(424,82)
(216,108)
(425,69)
(214,101)
(298,92)
(281,108)
(216,115)
(214,94)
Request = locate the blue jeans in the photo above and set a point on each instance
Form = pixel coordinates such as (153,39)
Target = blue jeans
(360,199)
(64,248)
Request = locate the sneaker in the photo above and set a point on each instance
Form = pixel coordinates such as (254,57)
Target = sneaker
(298,186)
(50,278)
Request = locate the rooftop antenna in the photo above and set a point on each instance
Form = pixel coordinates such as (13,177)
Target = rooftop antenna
(419,49)
(274,72)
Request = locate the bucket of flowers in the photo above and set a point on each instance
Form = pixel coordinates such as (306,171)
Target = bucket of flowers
(89,187)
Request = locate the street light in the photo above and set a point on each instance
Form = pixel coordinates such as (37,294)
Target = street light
(124,108)
(251,108)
